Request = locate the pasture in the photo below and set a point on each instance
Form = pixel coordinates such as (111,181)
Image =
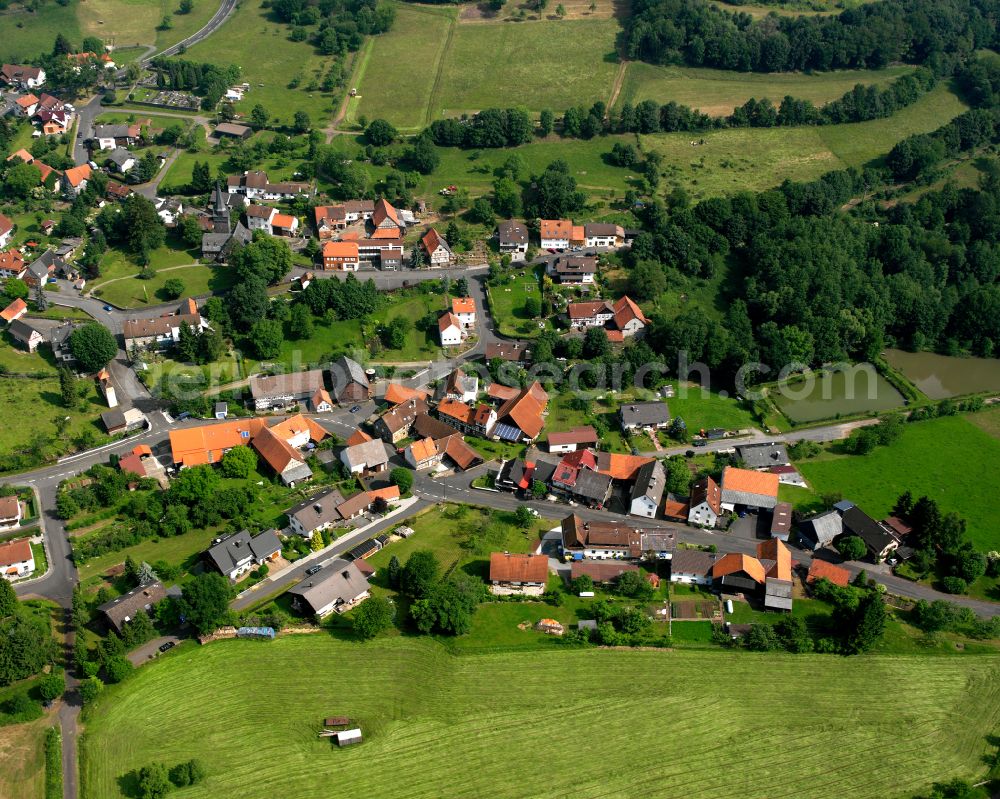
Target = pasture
(271,63)
(949,459)
(717,92)
(480,717)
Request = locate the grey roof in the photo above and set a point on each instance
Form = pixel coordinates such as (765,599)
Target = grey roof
(110,131)
(345,371)
(692,561)
(512,232)
(46,263)
(644,413)
(367,454)
(778,593)
(123,608)
(600,229)
(294,384)
(732,497)
(761,456)
(21,330)
(120,155)
(650,481)
(592,485)
(113,419)
(222,407)
(214,242)
(338,583)
(859,523)
(425,426)
(822,529)
(318,510)
(240,547)
(575,265)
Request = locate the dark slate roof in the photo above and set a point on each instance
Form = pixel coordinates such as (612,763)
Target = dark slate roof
(592,485)
(650,481)
(512,232)
(345,371)
(644,413)
(760,456)
(229,552)
(859,523)
(822,529)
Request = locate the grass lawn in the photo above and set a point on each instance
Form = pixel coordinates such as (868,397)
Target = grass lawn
(561,416)
(478,718)
(198,279)
(535,64)
(22,759)
(274,61)
(398,71)
(717,92)
(421,344)
(27,34)
(507,303)
(704,409)
(935,458)
(179,173)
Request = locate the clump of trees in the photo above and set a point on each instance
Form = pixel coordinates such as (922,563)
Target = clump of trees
(155,781)
(490,128)
(208,81)
(443,605)
(26,644)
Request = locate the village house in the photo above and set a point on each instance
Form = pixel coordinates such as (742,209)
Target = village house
(10,512)
(653,415)
(781,521)
(692,567)
(122,160)
(332,218)
(380,251)
(647,491)
(621,320)
(436,249)
(763,456)
(259,217)
(458,386)
(520,419)
(254,185)
(75,180)
(107,387)
(232,131)
(337,588)
(465,309)
(880,541)
(316,514)
(369,457)
(821,570)
(555,234)
(512,238)
(575,270)
(450,329)
(385,222)
(284,459)
(572,440)
(603,234)
(121,610)
(478,420)
(118,421)
(25,335)
(423,454)
(26,105)
(394,425)
(608,540)
(14,311)
(350,383)
(46,265)
(510,351)
(776,559)
(820,530)
(169,209)
(518,574)
(108,137)
(236,554)
(6,230)
(22,76)
(576,476)
(271,392)
(161,331)
(16,559)
(705,505)
(743,488)
(601,572)
(396,394)
(11,261)
(321,402)
(341,256)
(738,573)
(286,225)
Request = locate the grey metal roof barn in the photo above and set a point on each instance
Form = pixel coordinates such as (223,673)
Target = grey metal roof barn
(761,456)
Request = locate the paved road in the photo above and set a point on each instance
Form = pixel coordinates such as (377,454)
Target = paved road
(227,8)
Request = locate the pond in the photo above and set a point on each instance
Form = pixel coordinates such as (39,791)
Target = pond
(857,390)
(943,376)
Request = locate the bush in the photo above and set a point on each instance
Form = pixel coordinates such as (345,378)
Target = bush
(172,288)
(53,764)
(403,478)
(90,689)
(52,686)
(190,773)
(153,782)
(954,585)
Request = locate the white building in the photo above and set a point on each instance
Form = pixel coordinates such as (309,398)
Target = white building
(10,512)
(555,234)
(452,334)
(465,309)
(706,503)
(16,560)
(259,217)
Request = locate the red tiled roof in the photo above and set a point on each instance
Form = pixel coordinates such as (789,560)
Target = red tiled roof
(763,483)
(15,552)
(384,211)
(555,228)
(14,310)
(776,550)
(358,437)
(820,570)
(736,562)
(513,568)
(578,435)
(460,305)
(447,320)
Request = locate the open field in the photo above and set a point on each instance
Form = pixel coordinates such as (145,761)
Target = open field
(482,715)
(198,279)
(704,409)
(397,73)
(717,92)
(270,61)
(948,459)
(537,65)
(22,760)
(27,34)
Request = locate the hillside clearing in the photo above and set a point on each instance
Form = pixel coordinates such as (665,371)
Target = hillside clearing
(480,718)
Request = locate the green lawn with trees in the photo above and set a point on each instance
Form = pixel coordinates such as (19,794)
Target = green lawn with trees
(479,717)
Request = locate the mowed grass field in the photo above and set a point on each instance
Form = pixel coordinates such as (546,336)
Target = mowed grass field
(270,61)
(717,92)
(950,459)
(25,34)
(396,73)
(753,159)
(22,760)
(438,724)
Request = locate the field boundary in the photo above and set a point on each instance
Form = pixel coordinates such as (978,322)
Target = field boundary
(432,100)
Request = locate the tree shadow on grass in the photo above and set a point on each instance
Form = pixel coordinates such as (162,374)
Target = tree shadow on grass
(128,784)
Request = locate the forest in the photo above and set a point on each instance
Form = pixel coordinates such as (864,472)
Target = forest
(935,33)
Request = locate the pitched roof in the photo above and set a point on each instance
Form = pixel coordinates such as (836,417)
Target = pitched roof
(77,175)
(402,415)
(456,410)
(603,229)
(460,305)
(650,482)
(22,331)
(515,568)
(359,436)
(23,154)
(14,310)
(512,232)
(823,528)
(318,510)
(123,608)
(384,211)
(525,410)
(346,370)
(588,310)
(367,453)
(10,506)
(292,383)
(193,446)
(320,397)
(6,224)
(284,221)
(431,240)
(859,523)
(738,562)
(425,425)
(15,551)
(354,505)
(578,534)
(339,582)
(340,249)
(448,320)
(600,571)
(260,211)
(747,481)
(555,228)
(625,311)
(464,456)
(774,549)
(388,493)
(781,519)
(515,351)
(578,435)
(644,413)
(760,456)
(275,450)
(692,561)
(707,490)
(821,570)
(297,425)
(621,467)
(228,553)
(423,449)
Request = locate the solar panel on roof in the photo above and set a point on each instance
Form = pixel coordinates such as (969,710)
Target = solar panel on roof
(508,432)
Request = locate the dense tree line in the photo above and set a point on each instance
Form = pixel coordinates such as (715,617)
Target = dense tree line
(491,127)
(208,81)
(347,299)
(341,25)
(936,33)
(26,644)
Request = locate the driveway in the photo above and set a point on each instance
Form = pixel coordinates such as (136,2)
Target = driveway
(151,650)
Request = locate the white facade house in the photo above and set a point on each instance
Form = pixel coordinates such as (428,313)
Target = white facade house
(16,560)
(705,507)
(260,217)
(555,234)
(512,238)
(10,512)
(452,334)
(601,234)
(465,309)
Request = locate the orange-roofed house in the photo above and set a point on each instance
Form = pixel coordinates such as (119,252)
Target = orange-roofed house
(12,264)
(555,234)
(194,446)
(745,488)
(512,573)
(777,557)
(450,330)
(737,573)
(465,309)
(395,394)
(520,418)
(388,493)
(10,512)
(423,454)
(629,320)
(359,436)
(285,461)
(76,179)
(436,249)
(6,230)
(321,402)
(341,256)
(299,430)
(821,570)
(478,421)
(284,224)
(577,236)
(329,219)
(15,310)
(385,221)
(26,105)
(16,560)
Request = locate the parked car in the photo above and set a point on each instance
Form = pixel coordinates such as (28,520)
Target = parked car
(108,308)
(312,570)
(167,646)
(355,409)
